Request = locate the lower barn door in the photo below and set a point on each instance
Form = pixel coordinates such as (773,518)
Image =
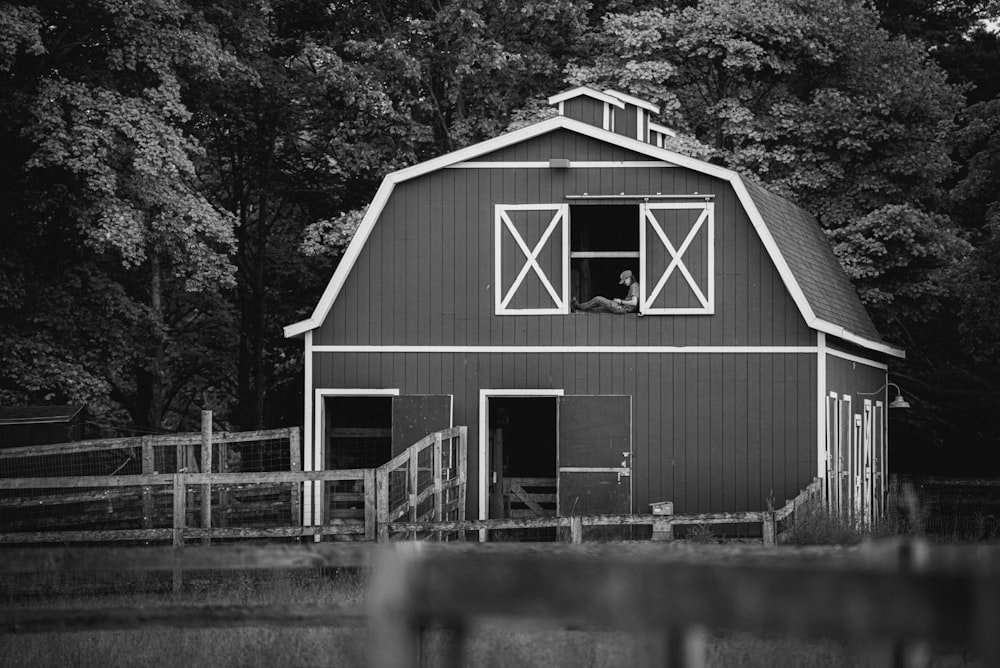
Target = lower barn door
(595,454)
(416,415)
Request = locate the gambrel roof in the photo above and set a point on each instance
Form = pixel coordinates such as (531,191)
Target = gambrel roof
(792,237)
(807,251)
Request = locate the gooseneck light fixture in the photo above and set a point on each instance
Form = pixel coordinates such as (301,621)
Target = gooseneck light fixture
(897,402)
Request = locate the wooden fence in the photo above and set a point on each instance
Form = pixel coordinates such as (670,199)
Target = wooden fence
(948,507)
(529,497)
(775,525)
(154,488)
(419,494)
(880,595)
(426,483)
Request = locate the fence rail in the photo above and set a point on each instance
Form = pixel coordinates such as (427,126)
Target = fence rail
(861,603)
(948,594)
(427,482)
(773,523)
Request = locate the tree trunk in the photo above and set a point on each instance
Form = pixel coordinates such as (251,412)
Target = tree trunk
(253,249)
(148,408)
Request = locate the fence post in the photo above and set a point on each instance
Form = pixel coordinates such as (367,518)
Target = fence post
(180,512)
(222,461)
(371,517)
(411,487)
(295,464)
(382,507)
(463,446)
(148,463)
(206,467)
(769,529)
(576,529)
(438,485)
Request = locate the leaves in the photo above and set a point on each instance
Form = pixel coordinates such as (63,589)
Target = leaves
(901,260)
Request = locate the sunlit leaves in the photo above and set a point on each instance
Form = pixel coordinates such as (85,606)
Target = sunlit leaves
(20,32)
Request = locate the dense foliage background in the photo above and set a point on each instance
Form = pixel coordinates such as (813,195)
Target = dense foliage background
(179,178)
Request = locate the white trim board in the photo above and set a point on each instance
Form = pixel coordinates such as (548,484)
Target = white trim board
(574,164)
(378,203)
(821,408)
(310,490)
(635,101)
(589,92)
(571,350)
(854,358)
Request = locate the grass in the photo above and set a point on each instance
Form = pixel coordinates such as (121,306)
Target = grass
(494,644)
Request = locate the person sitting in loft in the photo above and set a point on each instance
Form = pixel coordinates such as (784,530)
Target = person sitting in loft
(629,304)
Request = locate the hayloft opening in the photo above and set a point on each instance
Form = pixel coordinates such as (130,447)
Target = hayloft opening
(604,241)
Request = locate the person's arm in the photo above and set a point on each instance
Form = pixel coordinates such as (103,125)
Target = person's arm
(632,299)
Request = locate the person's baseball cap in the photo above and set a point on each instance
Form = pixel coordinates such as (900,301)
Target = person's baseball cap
(625,274)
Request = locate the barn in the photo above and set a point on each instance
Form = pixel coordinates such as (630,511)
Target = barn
(749,368)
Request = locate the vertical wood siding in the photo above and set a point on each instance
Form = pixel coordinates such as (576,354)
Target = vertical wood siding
(627,122)
(847,377)
(585,109)
(710,432)
(426,275)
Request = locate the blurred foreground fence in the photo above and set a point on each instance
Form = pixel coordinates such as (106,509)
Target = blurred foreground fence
(882,595)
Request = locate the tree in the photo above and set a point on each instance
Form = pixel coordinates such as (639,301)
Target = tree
(812,98)
(102,176)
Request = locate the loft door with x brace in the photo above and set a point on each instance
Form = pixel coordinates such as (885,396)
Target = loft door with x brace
(677,258)
(532,256)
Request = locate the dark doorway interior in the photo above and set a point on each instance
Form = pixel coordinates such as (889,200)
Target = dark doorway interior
(522,432)
(358,432)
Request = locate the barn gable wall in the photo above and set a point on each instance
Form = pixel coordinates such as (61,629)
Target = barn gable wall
(562,144)
(429,261)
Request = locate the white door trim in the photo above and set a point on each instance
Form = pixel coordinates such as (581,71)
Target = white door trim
(318,444)
(484,438)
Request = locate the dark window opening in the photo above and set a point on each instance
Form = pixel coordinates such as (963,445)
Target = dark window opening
(604,241)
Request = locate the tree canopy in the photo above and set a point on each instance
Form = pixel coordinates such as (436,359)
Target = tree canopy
(181,177)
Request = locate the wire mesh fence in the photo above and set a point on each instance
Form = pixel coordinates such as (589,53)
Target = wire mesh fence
(963,509)
(425,483)
(223,486)
(123,489)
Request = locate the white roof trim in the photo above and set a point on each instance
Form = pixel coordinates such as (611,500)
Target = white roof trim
(628,99)
(662,129)
(850,337)
(382,196)
(561,122)
(583,90)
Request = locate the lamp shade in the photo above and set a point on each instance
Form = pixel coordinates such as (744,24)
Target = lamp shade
(899,402)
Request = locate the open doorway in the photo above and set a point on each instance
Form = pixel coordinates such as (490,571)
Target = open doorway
(358,432)
(358,436)
(522,456)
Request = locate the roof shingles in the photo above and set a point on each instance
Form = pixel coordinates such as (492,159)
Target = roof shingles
(805,248)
